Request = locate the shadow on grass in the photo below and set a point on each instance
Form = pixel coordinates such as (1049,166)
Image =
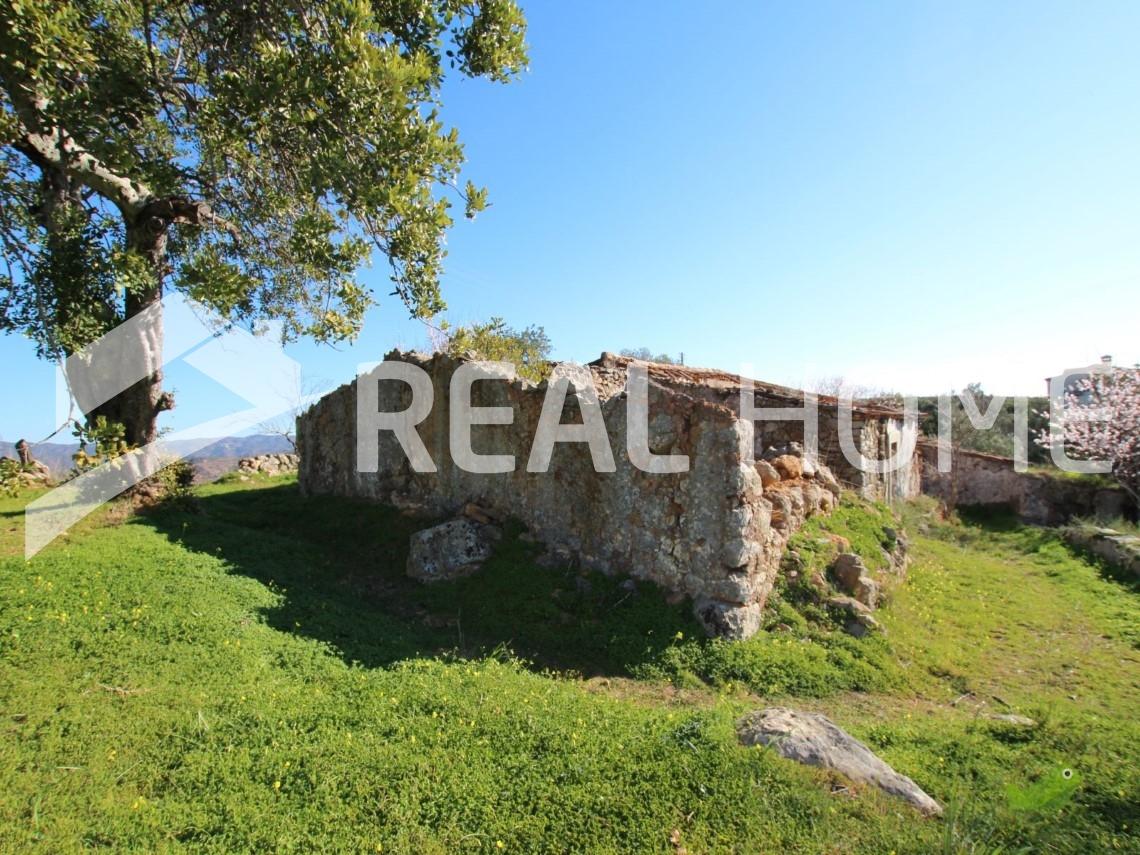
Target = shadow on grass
(1112,572)
(339,566)
(992,518)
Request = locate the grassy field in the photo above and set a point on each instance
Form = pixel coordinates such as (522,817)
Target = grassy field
(256,674)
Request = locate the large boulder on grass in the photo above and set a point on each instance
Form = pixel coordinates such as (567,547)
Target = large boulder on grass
(450,550)
(32,474)
(36,474)
(815,740)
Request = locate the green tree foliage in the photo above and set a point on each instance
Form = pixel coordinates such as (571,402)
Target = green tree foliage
(528,349)
(9,476)
(99,442)
(1000,438)
(646,354)
(250,155)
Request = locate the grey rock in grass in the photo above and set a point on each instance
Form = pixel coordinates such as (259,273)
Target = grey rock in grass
(556,557)
(815,740)
(728,620)
(450,550)
(1011,718)
(1120,550)
(847,568)
(859,619)
(852,576)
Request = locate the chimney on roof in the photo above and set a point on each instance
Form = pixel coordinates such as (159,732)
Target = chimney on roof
(1106,359)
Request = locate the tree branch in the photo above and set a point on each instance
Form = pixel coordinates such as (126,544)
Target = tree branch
(57,150)
(178,209)
(54,148)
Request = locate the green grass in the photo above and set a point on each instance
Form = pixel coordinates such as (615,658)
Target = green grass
(258,675)
(803,651)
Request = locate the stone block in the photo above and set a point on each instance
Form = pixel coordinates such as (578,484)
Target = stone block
(450,550)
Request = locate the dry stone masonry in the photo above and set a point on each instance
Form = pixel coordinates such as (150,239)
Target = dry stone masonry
(32,473)
(978,479)
(268,464)
(715,533)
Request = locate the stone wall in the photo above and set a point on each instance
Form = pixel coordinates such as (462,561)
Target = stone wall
(978,479)
(877,432)
(33,474)
(268,464)
(1120,550)
(716,533)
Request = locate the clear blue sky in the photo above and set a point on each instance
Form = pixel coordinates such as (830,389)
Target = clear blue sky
(911,195)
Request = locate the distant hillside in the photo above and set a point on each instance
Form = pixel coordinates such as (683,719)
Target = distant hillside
(207,469)
(57,455)
(243,446)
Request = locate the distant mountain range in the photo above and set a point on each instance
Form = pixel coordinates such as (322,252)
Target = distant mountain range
(57,455)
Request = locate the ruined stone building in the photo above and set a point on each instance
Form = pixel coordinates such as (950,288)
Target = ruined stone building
(715,533)
(878,432)
(1039,496)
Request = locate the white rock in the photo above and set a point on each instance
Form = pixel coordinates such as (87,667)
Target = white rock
(817,741)
(1011,718)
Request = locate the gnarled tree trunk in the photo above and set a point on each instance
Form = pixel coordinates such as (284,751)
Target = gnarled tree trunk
(137,408)
(68,166)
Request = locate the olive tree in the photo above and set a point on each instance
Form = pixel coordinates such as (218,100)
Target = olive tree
(252,155)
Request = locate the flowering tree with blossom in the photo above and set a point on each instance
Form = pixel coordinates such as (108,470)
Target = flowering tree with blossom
(1100,420)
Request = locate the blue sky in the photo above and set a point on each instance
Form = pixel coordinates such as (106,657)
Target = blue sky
(911,195)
